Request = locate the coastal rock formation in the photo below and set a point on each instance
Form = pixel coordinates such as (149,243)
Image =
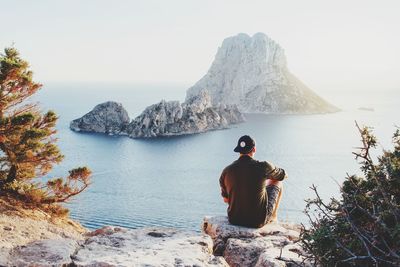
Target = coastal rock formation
(46,252)
(33,238)
(248,74)
(109,118)
(251,72)
(196,115)
(156,246)
(114,246)
(272,245)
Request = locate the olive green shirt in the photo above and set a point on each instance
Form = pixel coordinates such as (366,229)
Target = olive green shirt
(244,183)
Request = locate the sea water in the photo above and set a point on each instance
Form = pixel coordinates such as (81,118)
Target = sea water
(174,181)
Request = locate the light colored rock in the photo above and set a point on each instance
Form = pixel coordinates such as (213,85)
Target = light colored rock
(21,227)
(264,260)
(218,227)
(272,245)
(44,253)
(4,256)
(251,72)
(109,118)
(113,246)
(196,115)
(26,230)
(245,251)
(31,237)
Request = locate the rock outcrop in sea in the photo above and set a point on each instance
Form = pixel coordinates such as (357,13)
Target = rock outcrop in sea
(109,118)
(195,115)
(251,72)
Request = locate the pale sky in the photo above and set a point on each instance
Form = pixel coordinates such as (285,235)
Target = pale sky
(328,44)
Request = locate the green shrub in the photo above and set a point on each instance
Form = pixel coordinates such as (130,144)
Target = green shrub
(362,228)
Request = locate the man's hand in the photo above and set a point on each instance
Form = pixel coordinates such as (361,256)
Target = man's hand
(226,200)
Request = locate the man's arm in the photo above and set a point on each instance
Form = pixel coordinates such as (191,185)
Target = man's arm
(275,173)
(224,194)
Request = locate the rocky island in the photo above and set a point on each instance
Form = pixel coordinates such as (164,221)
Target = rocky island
(252,73)
(195,115)
(248,75)
(108,117)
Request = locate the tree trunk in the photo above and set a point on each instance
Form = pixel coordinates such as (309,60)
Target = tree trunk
(12,174)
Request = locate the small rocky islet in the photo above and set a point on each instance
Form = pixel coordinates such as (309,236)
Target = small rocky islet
(248,75)
(196,115)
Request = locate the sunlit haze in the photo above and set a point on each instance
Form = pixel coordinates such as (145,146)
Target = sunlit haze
(335,44)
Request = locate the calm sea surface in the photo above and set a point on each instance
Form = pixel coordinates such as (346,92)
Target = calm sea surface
(174,181)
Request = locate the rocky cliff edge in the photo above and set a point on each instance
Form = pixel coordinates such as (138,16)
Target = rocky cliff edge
(34,239)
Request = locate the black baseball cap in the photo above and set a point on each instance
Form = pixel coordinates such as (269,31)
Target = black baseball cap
(245,144)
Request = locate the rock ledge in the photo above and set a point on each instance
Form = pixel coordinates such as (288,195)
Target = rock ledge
(38,241)
(272,245)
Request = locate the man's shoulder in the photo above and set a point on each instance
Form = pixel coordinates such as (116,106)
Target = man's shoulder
(259,164)
(264,165)
(230,166)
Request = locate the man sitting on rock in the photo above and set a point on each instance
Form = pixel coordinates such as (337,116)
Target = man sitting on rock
(251,188)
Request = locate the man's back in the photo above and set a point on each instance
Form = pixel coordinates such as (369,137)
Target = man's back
(244,184)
